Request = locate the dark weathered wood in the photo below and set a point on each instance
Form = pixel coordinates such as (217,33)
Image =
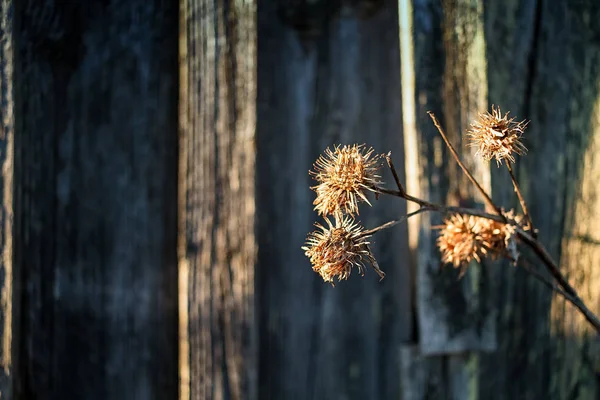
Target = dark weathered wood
(546,62)
(328,74)
(7,300)
(443,67)
(217,193)
(540,70)
(421,377)
(95,139)
(96,198)
(454,316)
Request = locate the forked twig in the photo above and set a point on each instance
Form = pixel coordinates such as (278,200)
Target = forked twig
(443,209)
(564,287)
(393,223)
(337,196)
(486,197)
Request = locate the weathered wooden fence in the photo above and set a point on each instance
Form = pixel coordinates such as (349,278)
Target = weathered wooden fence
(155,195)
(95,199)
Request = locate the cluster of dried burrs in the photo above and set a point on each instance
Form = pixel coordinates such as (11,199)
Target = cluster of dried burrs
(346,174)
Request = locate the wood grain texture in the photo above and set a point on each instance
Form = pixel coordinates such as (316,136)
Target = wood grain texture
(546,65)
(96,199)
(542,64)
(421,377)
(217,205)
(335,83)
(456,318)
(7,298)
(454,315)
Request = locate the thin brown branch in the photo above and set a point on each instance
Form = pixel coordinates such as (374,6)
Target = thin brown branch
(521,198)
(393,223)
(529,268)
(569,294)
(554,269)
(486,197)
(388,157)
(402,194)
(525,237)
(444,209)
(551,285)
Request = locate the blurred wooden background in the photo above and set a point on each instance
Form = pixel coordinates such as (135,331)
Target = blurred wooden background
(155,196)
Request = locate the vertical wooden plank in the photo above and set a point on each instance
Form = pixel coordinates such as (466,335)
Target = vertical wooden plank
(580,350)
(465,95)
(422,377)
(542,65)
(444,71)
(513,42)
(7,298)
(555,177)
(455,316)
(546,64)
(289,296)
(421,55)
(217,208)
(96,197)
(328,73)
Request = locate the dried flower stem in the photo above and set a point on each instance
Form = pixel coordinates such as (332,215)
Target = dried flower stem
(554,269)
(520,196)
(393,223)
(525,237)
(427,206)
(390,163)
(486,197)
(528,239)
(572,298)
(540,277)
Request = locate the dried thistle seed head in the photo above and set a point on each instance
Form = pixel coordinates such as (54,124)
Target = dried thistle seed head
(465,237)
(497,136)
(494,236)
(344,175)
(334,250)
(458,240)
